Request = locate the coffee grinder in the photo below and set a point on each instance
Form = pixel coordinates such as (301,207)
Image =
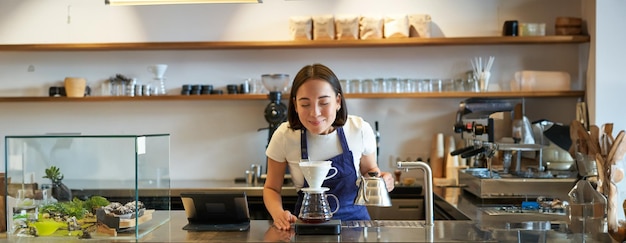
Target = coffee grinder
(275,111)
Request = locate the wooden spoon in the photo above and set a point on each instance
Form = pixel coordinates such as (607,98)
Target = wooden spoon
(586,145)
(594,135)
(604,145)
(608,130)
(618,149)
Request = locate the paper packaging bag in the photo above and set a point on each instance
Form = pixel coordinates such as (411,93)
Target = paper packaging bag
(396,26)
(301,27)
(419,25)
(371,27)
(323,27)
(347,27)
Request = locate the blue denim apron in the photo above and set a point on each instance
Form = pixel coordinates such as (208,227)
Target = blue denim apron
(343,184)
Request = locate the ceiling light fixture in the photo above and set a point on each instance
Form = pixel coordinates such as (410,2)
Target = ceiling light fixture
(159,2)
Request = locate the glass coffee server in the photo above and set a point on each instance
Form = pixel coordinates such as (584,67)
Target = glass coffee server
(86,186)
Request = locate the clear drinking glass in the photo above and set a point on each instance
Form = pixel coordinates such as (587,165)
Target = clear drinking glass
(355,86)
(459,85)
(411,86)
(447,85)
(369,86)
(402,85)
(436,85)
(380,85)
(424,85)
(345,86)
(391,85)
(471,85)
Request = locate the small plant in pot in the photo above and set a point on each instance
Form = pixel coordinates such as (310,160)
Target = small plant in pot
(59,190)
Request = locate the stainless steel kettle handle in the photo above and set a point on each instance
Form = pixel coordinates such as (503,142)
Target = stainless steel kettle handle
(362,187)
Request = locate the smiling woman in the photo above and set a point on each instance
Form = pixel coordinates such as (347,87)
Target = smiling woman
(320,129)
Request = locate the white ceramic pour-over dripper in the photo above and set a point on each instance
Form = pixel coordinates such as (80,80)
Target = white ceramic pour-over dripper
(315,172)
(158,70)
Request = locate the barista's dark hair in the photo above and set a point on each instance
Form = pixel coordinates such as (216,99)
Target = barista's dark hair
(309,72)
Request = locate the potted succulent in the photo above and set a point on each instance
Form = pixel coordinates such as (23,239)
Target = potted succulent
(59,190)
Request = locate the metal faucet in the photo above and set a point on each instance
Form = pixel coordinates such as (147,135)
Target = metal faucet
(428,186)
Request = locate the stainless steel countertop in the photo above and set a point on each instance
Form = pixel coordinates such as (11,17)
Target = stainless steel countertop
(479,229)
(262,231)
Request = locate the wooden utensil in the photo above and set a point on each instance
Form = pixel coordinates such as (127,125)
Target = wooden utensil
(586,145)
(608,130)
(618,149)
(606,138)
(594,134)
(603,185)
(604,145)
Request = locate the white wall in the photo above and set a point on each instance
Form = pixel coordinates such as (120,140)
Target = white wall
(219,139)
(608,64)
(605,77)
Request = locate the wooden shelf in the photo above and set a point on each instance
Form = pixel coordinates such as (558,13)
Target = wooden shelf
(535,94)
(505,94)
(486,40)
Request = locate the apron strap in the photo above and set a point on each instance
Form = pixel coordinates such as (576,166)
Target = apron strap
(304,154)
(342,139)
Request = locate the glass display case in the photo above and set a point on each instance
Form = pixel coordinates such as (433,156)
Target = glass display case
(89,186)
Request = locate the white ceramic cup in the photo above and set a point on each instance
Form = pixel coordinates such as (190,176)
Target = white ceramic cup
(158,70)
(315,172)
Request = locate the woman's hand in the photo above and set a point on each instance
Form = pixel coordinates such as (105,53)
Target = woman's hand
(389,181)
(284,220)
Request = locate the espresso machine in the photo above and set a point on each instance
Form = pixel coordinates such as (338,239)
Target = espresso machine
(484,123)
(478,127)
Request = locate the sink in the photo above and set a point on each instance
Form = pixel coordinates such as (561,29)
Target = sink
(406,192)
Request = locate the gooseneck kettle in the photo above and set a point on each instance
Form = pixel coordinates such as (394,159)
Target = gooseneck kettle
(372,191)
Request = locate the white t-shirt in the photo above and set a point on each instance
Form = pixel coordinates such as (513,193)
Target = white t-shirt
(285,145)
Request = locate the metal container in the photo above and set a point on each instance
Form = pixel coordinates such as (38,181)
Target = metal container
(372,192)
(515,187)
